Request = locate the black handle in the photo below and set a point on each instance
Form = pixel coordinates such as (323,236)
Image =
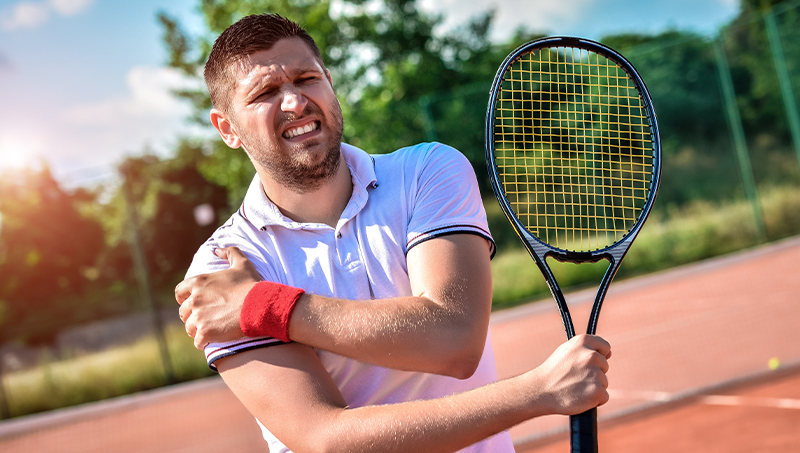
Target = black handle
(583,432)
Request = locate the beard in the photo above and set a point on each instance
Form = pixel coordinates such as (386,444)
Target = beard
(296,167)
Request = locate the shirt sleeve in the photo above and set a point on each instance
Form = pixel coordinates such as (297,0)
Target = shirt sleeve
(445,198)
(205,262)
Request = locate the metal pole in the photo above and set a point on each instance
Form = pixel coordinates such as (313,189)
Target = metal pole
(737,133)
(784,80)
(144,277)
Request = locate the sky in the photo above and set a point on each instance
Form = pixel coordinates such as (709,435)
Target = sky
(83,82)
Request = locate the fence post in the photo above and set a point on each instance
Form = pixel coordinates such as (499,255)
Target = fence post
(143,273)
(784,81)
(737,132)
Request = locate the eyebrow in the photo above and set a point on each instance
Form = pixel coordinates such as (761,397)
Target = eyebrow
(264,81)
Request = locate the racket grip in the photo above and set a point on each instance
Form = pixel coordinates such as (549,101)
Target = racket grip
(583,432)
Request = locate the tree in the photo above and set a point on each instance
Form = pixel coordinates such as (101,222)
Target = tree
(49,249)
(165,194)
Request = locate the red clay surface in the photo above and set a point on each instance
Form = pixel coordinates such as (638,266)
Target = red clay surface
(761,417)
(679,339)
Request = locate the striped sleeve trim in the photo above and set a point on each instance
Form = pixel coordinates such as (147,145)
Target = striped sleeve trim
(218,351)
(451,229)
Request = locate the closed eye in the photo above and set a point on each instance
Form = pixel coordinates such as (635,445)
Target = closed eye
(267,93)
(305,80)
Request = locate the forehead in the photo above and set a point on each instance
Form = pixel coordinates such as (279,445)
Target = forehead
(287,56)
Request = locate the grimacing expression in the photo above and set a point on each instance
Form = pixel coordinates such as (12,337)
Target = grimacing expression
(287,116)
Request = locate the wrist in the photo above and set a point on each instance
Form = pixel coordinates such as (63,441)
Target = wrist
(267,310)
(538,398)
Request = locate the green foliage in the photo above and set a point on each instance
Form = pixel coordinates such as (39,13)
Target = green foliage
(65,258)
(165,194)
(228,168)
(48,250)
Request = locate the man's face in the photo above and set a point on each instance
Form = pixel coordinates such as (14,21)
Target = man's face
(284,111)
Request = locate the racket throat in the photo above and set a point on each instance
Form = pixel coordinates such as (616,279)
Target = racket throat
(558,295)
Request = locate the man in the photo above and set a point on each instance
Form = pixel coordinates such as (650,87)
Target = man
(370,329)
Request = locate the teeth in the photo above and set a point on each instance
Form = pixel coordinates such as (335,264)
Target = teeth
(292,133)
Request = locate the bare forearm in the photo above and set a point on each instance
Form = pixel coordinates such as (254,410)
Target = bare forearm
(420,334)
(442,425)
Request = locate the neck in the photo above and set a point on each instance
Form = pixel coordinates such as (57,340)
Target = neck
(324,204)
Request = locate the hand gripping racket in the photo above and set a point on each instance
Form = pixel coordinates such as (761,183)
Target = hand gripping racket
(574,157)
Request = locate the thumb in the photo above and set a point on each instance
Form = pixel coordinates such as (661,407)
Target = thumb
(233,255)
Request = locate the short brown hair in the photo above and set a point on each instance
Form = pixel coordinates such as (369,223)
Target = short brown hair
(247,36)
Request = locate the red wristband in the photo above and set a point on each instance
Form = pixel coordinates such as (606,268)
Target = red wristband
(267,309)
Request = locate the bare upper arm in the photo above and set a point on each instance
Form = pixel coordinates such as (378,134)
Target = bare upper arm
(454,271)
(287,389)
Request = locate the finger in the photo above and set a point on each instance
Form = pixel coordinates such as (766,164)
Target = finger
(191,329)
(233,255)
(604,397)
(184,290)
(200,342)
(602,363)
(185,310)
(603,380)
(599,344)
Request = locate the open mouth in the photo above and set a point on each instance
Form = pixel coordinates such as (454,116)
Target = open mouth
(301,130)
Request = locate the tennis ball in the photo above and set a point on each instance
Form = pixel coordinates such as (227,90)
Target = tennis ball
(774,363)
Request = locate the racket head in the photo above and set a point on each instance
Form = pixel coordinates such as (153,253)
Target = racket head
(573,149)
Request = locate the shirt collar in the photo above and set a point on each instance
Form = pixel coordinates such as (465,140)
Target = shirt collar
(262,212)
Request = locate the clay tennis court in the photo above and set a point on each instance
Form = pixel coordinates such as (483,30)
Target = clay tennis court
(689,372)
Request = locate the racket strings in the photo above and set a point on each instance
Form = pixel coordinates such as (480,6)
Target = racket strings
(573,148)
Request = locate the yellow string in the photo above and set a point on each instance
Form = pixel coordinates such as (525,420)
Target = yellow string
(573,148)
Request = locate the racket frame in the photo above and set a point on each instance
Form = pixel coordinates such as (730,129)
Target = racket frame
(583,427)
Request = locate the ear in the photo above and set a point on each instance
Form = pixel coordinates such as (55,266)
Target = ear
(328,74)
(224,126)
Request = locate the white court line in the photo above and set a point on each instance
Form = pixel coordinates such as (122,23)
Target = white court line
(728,400)
(714,400)
(647,395)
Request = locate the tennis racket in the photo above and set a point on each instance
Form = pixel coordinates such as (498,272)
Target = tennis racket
(574,157)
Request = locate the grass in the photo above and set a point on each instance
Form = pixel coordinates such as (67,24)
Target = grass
(117,371)
(671,237)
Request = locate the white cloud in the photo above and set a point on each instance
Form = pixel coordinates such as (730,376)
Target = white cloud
(149,97)
(70,7)
(25,15)
(28,14)
(148,116)
(535,15)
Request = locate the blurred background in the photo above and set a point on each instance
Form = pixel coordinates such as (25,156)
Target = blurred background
(111,177)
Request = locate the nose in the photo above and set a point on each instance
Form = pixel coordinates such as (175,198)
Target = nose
(293,100)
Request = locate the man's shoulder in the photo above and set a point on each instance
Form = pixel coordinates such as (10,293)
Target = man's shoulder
(420,150)
(418,156)
(237,231)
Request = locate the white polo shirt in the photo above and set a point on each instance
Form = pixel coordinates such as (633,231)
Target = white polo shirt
(399,200)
